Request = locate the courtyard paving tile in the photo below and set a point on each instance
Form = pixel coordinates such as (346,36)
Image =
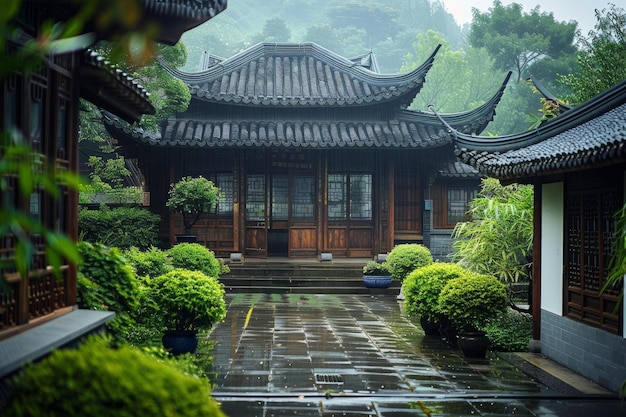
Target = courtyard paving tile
(358,355)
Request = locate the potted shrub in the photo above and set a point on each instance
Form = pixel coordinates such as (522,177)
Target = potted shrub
(405,258)
(376,275)
(195,257)
(469,301)
(186,302)
(192,197)
(421,290)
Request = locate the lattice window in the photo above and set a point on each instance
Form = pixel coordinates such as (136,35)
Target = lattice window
(337,186)
(280,197)
(458,203)
(361,197)
(226,183)
(303,198)
(255,197)
(589,240)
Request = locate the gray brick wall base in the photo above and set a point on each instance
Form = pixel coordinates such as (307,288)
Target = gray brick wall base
(594,353)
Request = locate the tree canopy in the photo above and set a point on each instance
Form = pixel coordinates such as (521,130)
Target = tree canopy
(602,59)
(517,40)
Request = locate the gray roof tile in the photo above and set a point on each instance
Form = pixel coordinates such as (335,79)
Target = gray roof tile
(591,134)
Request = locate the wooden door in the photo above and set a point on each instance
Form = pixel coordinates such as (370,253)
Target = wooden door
(256,217)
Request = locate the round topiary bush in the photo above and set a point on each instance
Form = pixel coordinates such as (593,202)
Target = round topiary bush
(472,299)
(96,380)
(187,300)
(421,289)
(149,263)
(405,258)
(195,257)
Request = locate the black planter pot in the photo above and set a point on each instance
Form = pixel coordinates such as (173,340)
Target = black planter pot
(180,342)
(473,344)
(430,328)
(375,281)
(186,238)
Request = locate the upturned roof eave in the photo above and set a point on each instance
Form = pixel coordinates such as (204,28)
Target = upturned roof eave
(457,121)
(578,115)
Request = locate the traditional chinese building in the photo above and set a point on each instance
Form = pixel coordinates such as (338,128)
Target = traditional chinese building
(315,153)
(577,164)
(38,311)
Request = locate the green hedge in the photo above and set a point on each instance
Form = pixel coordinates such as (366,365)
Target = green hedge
(122,227)
(106,281)
(96,380)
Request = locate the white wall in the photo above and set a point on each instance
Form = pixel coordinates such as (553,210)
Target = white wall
(552,248)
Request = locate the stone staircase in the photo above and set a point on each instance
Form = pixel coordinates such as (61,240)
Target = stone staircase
(306,276)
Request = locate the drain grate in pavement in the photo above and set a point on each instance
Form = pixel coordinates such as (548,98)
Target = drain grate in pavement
(334,379)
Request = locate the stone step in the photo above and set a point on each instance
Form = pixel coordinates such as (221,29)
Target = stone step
(300,276)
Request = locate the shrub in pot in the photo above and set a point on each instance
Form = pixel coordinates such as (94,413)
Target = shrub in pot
(96,380)
(192,197)
(421,290)
(405,258)
(376,274)
(195,257)
(469,302)
(187,301)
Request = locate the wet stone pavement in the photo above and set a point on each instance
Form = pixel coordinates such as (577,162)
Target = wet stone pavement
(359,355)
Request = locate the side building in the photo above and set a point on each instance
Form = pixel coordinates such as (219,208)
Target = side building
(315,153)
(38,312)
(577,164)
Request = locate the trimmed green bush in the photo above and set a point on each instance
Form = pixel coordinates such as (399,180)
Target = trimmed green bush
(472,299)
(405,258)
(510,331)
(195,257)
(151,263)
(106,281)
(193,197)
(122,227)
(421,289)
(188,300)
(96,380)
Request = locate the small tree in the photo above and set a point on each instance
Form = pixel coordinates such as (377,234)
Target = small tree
(193,197)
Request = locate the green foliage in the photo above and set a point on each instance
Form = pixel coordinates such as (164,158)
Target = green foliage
(405,258)
(188,300)
(123,227)
(517,40)
(379,269)
(193,197)
(149,263)
(510,331)
(274,30)
(195,257)
(96,380)
(106,281)
(498,239)
(602,60)
(471,300)
(421,289)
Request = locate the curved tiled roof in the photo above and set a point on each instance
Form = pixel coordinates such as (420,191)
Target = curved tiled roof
(112,89)
(303,74)
(325,134)
(594,133)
